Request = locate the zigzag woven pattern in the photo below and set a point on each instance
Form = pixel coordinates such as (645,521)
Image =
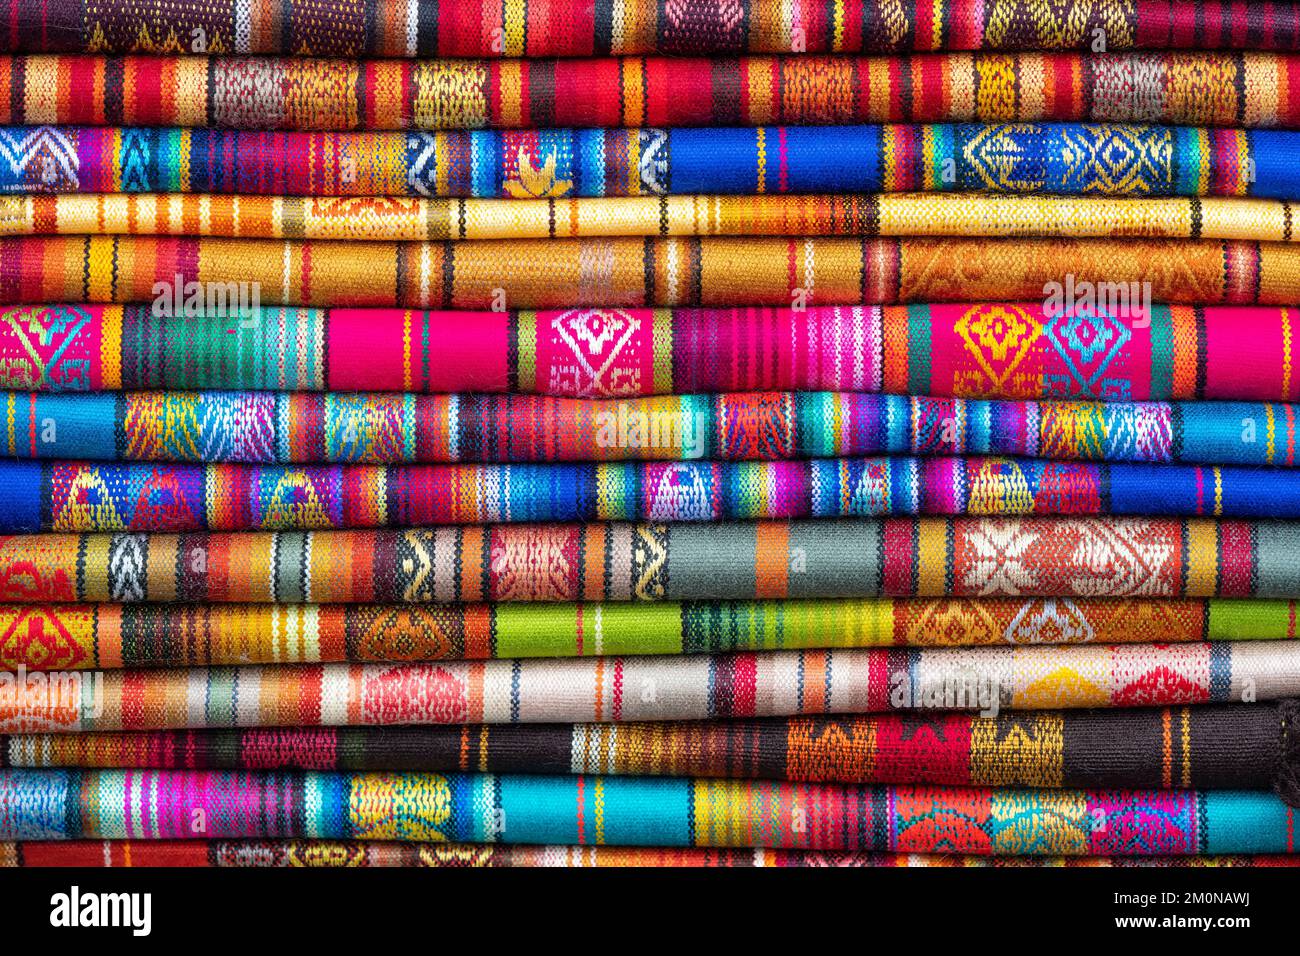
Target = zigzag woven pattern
(541,28)
(614,272)
(828,558)
(1085,159)
(484,808)
(653,688)
(1248,89)
(985,350)
(355,854)
(83,496)
(395,219)
(1209,746)
(58,637)
(391,428)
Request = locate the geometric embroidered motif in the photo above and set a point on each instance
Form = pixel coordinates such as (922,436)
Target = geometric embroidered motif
(44,349)
(1087,342)
(997,337)
(594,362)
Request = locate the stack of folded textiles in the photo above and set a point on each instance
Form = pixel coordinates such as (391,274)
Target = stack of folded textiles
(720,433)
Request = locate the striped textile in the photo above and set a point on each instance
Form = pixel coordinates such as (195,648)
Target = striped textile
(485,808)
(546,28)
(651,688)
(1210,746)
(1249,89)
(649,432)
(396,219)
(1082,159)
(626,272)
(92,636)
(982,350)
(338,853)
(89,496)
(391,428)
(826,558)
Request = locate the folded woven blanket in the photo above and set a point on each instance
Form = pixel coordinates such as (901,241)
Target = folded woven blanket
(89,496)
(1210,746)
(344,853)
(173,273)
(827,558)
(90,636)
(398,219)
(485,808)
(652,688)
(1071,158)
(988,350)
(300,93)
(539,28)
(391,428)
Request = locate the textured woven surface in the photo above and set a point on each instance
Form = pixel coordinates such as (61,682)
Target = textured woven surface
(1227,746)
(1195,89)
(88,636)
(389,428)
(585,28)
(393,219)
(989,350)
(926,557)
(613,272)
(654,688)
(740,497)
(1084,159)
(337,853)
(484,808)
(85,496)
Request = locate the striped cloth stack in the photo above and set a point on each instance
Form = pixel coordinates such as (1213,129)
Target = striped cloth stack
(712,433)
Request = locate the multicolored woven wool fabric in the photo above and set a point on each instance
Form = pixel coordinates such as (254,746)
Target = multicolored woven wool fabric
(1206,747)
(395,219)
(87,496)
(1248,89)
(652,688)
(577,811)
(391,428)
(1084,159)
(543,28)
(627,272)
(984,350)
(726,433)
(814,559)
(58,637)
(355,854)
